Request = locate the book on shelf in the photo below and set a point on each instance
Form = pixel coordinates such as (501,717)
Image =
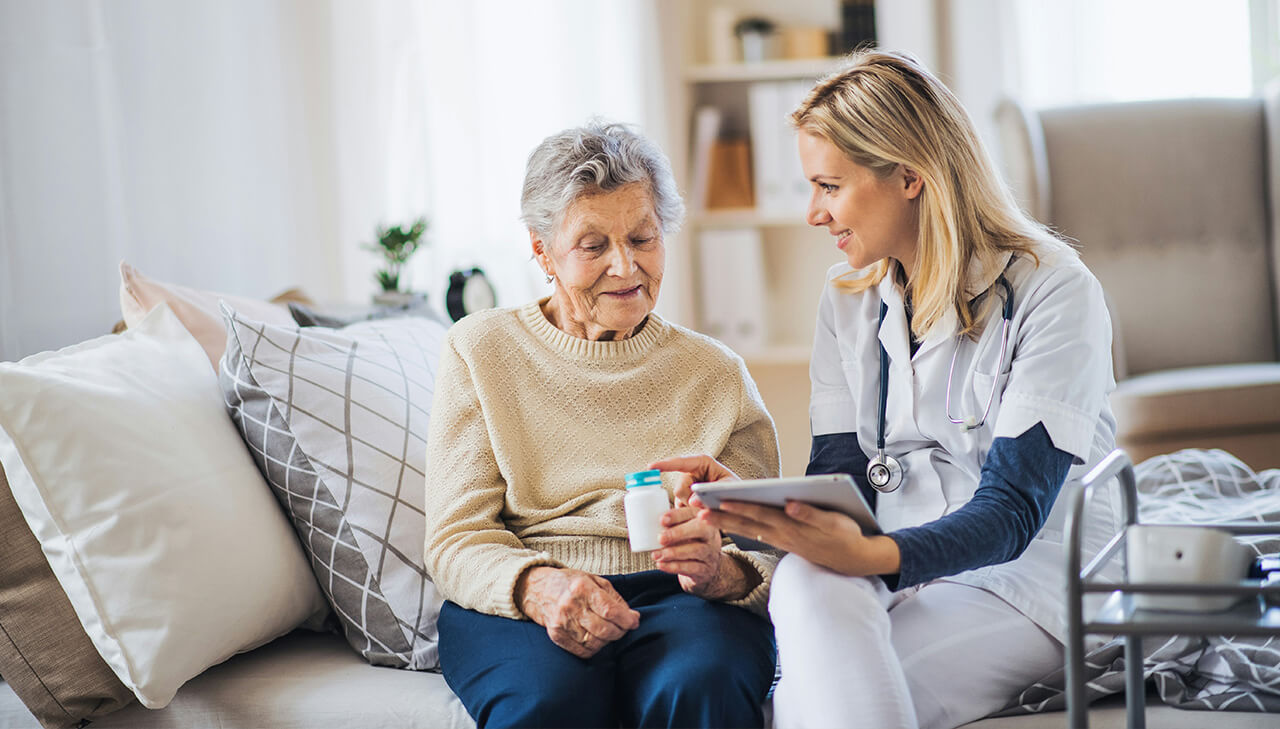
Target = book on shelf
(729,180)
(721,166)
(732,287)
(706,130)
(857,24)
(780,185)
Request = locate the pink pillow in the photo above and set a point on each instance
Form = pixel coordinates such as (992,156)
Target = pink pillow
(197,310)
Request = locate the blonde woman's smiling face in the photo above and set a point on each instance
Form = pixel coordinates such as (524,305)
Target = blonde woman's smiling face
(607,258)
(871,217)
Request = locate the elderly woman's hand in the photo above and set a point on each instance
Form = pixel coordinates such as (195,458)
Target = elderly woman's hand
(691,546)
(691,550)
(581,611)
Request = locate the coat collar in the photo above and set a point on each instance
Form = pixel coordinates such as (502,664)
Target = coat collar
(981,277)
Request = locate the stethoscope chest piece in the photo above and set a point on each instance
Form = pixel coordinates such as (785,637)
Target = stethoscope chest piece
(884,473)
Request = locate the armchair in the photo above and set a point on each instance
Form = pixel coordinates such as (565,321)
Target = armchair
(1173,205)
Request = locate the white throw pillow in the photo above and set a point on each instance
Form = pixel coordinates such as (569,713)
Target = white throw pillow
(146,503)
(197,310)
(337,420)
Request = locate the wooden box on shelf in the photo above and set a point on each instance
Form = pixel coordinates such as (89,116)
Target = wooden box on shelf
(729,177)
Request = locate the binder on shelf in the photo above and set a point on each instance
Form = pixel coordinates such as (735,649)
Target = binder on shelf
(762,105)
(780,185)
(732,287)
(798,188)
(729,180)
(706,130)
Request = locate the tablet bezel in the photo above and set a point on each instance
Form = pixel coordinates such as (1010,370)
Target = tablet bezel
(835,492)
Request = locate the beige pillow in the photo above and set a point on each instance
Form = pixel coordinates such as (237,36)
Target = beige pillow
(45,654)
(197,310)
(149,510)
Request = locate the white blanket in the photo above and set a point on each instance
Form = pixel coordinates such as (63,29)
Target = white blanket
(1193,672)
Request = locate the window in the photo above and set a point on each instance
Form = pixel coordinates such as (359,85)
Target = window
(1079,51)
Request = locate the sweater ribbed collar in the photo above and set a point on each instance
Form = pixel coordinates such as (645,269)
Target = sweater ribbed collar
(633,346)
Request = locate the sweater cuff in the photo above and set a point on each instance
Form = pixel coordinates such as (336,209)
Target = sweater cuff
(763,564)
(508,574)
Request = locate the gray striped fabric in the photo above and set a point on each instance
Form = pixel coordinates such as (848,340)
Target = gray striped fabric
(337,421)
(1225,673)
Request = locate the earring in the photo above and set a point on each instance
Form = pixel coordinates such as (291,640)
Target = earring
(550,278)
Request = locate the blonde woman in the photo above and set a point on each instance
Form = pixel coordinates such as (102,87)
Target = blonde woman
(960,373)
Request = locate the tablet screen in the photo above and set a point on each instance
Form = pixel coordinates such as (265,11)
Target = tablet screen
(836,492)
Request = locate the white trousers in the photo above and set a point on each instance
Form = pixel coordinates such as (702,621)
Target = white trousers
(855,655)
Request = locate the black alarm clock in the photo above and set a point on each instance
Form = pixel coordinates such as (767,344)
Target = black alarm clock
(469,292)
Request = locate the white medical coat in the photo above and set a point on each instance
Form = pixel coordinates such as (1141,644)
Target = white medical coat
(1057,371)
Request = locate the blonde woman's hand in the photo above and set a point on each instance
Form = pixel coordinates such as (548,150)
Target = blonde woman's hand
(693,469)
(827,538)
(581,611)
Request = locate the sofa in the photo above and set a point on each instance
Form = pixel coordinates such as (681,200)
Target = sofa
(149,579)
(309,680)
(1174,207)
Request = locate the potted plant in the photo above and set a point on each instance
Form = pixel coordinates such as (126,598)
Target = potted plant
(396,244)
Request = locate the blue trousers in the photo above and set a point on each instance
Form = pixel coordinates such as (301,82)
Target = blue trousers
(690,663)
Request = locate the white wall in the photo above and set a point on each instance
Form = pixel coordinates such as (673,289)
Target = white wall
(198,140)
(501,77)
(246,146)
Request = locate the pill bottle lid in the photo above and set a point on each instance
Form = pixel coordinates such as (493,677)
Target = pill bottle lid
(644,478)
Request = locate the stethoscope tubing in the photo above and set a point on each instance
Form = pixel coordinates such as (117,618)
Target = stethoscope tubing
(884,472)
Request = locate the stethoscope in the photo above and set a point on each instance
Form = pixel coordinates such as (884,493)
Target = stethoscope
(885,472)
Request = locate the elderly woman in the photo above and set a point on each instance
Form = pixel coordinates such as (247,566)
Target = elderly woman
(540,410)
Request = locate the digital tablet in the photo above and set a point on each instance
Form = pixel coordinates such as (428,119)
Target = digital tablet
(836,492)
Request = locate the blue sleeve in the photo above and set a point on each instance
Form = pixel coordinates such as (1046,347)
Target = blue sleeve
(840,453)
(1019,483)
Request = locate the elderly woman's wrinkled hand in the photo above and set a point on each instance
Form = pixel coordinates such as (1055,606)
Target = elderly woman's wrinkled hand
(691,550)
(581,611)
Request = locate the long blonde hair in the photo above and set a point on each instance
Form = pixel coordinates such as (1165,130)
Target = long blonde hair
(885,109)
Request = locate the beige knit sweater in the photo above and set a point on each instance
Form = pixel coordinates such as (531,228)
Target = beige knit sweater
(533,429)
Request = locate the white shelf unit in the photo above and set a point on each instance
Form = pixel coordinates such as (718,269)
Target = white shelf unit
(796,256)
(799,68)
(742,218)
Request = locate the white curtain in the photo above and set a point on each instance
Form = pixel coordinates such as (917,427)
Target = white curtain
(179,136)
(1075,51)
(1060,52)
(501,76)
(250,145)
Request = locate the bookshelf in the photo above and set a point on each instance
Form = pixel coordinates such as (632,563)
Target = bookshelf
(777,289)
(779,70)
(742,217)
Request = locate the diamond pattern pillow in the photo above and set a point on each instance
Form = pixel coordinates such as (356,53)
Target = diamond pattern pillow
(337,421)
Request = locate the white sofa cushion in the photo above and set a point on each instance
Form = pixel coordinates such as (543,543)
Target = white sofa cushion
(147,506)
(197,310)
(337,420)
(304,680)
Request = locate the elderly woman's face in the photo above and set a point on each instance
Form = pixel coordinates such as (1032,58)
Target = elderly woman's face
(607,259)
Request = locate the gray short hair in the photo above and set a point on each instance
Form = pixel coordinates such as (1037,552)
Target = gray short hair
(596,157)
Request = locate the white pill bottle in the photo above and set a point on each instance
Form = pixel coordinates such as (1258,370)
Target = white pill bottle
(645,503)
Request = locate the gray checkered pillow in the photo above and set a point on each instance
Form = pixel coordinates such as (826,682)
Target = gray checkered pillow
(337,421)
